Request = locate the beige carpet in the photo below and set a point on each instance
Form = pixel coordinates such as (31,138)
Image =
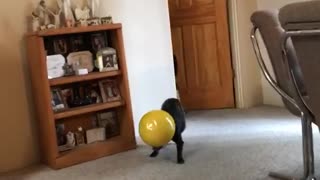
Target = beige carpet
(219,145)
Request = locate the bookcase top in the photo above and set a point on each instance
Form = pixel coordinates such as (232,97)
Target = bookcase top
(76,30)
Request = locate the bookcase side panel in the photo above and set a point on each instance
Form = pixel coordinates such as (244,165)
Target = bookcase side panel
(127,116)
(42,99)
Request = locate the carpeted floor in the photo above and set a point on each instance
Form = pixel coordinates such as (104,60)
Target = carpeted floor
(219,145)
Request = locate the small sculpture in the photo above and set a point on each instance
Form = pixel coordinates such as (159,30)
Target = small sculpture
(51,26)
(71,142)
(82,14)
(35,23)
(82,22)
(68,14)
(94,5)
(79,136)
(41,12)
(57,15)
(68,70)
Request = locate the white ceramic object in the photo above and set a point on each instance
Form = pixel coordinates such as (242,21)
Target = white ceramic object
(82,59)
(55,65)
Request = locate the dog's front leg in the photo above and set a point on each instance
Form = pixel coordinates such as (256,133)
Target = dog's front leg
(155,152)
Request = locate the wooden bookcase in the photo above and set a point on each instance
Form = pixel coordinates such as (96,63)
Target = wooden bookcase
(74,117)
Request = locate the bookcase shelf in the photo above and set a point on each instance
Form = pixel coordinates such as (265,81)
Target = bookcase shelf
(89,77)
(38,47)
(87,109)
(90,146)
(93,151)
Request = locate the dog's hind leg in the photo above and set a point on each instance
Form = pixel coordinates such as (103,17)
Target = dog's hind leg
(179,143)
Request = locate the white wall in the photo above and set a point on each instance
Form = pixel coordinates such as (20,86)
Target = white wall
(270,97)
(146,29)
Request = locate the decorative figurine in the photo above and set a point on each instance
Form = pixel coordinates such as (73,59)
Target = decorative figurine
(71,142)
(94,5)
(35,23)
(82,14)
(68,14)
(51,26)
(57,15)
(42,13)
(82,22)
(68,70)
(80,136)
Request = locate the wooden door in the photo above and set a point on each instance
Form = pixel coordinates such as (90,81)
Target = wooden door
(200,38)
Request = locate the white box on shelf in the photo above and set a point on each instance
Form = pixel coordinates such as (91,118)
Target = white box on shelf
(82,72)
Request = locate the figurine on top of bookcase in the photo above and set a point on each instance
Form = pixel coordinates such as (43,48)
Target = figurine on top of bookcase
(40,15)
(44,18)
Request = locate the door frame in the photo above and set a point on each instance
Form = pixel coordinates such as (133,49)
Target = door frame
(247,81)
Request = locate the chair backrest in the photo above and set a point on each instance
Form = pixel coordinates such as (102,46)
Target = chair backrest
(272,35)
(303,18)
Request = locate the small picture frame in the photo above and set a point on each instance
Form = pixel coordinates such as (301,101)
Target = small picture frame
(67,96)
(79,139)
(57,101)
(107,60)
(60,46)
(98,41)
(60,133)
(94,21)
(106,20)
(109,90)
(77,43)
(93,92)
(109,121)
(95,135)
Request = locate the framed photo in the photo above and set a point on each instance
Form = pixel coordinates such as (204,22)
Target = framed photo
(60,46)
(110,90)
(77,43)
(95,135)
(82,60)
(80,137)
(107,60)
(92,91)
(109,121)
(106,20)
(98,41)
(60,132)
(57,101)
(67,96)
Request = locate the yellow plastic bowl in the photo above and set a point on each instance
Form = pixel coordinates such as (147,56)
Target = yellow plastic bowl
(157,128)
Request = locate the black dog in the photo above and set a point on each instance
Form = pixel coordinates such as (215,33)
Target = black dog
(174,108)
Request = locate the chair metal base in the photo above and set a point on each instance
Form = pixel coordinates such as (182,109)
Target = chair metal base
(307,116)
(308,154)
(286,177)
